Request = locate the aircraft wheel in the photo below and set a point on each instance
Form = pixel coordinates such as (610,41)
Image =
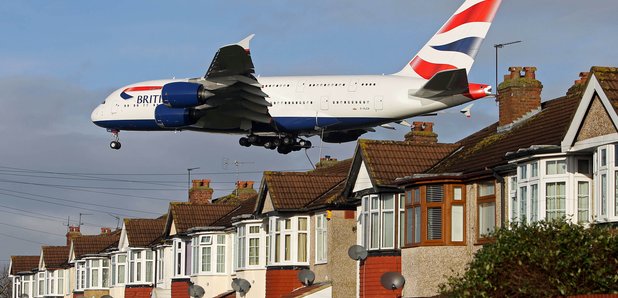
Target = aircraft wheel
(244,142)
(288,141)
(284,149)
(115,145)
(270,145)
(304,143)
(253,139)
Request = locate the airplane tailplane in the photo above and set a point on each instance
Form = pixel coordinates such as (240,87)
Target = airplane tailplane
(456,44)
(445,83)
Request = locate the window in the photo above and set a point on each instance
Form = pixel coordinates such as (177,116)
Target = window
(555,200)
(290,239)
(80,270)
(161,264)
(534,170)
(27,285)
(583,199)
(41,283)
(534,202)
(381,217)
(426,210)
(141,266)
(603,194)
(555,167)
(321,238)
(603,158)
(523,199)
(616,193)
(523,172)
(486,200)
(583,166)
(179,257)
(210,255)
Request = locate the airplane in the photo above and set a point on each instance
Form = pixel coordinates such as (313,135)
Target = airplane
(281,112)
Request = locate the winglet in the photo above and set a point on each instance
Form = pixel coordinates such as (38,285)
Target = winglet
(245,42)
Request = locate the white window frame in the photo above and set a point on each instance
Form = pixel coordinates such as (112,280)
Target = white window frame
(139,262)
(41,286)
(117,267)
(179,251)
(372,211)
(97,265)
(214,242)
(321,239)
(293,232)
(80,275)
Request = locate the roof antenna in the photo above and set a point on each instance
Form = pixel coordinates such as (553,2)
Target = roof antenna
(117,220)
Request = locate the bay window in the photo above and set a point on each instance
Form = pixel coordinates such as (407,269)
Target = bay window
(41,284)
(208,253)
(27,285)
(486,200)
(161,264)
(80,271)
(381,216)
(141,264)
(119,265)
(583,201)
(321,239)
(427,207)
(96,273)
(289,238)
(179,257)
(555,197)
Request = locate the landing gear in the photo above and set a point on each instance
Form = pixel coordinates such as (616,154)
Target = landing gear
(284,145)
(115,144)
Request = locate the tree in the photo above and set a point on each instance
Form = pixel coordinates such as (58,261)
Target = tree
(6,284)
(543,259)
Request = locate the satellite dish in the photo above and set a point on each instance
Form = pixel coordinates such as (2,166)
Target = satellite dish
(26,296)
(306,277)
(392,280)
(196,291)
(357,252)
(104,296)
(241,285)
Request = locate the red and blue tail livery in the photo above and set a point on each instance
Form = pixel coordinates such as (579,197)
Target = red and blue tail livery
(281,112)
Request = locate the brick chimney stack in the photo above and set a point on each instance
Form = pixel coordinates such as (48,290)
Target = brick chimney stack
(325,162)
(518,95)
(106,231)
(74,232)
(200,192)
(244,190)
(422,134)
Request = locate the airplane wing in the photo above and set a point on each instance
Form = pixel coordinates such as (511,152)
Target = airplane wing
(238,96)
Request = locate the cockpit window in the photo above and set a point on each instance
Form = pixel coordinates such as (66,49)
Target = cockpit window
(103,102)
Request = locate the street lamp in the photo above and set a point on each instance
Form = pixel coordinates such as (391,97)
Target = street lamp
(189,177)
(499,46)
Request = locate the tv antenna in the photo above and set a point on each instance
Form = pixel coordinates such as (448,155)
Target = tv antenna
(236,163)
(80,219)
(117,220)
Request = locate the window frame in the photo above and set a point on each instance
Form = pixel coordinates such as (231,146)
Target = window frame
(138,266)
(417,203)
(212,242)
(280,231)
(321,239)
(488,199)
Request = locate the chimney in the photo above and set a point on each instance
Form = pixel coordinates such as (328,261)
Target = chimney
(421,134)
(106,231)
(325,162)
(578,86)
(200,192)
(244,190)
(73,233)
(518,95)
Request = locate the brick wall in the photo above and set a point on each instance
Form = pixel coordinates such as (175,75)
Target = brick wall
(137,292)
(518,94)
(180,288)
(280,282)
(371,271)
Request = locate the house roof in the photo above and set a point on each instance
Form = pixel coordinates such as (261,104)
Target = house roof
(55,257)
(142,232)
(186,215)
(94,244)
(24,263)
(245,207)
(387,160)
(294,190)
(307,291)
(608,79)
(487,147)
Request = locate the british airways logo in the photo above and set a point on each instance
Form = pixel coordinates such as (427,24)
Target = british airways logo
(125,94)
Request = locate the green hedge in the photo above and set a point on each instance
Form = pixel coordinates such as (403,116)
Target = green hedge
(543,259)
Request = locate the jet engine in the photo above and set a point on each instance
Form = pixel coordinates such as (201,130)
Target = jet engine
(184,94)
(167,117)
(342,136)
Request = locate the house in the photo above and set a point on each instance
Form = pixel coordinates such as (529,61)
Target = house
(23,277)
(371,187)
(540,161)
(306,225)
(53,275)
(90,263)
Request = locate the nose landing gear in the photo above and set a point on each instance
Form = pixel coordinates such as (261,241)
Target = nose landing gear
(115,144)
(284,145)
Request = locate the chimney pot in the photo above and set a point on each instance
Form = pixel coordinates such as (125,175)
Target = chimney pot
(250,184)
(530,72)
(515,72)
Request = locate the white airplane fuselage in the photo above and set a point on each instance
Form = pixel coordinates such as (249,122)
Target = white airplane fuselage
(303,105)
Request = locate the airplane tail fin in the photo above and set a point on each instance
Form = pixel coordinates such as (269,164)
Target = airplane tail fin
(456,44)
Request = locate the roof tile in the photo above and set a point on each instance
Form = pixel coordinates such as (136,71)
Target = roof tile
(24,263)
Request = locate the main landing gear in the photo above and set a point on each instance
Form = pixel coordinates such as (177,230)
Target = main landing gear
(284,145)
(115,144)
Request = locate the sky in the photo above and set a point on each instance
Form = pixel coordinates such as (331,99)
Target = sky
(60,59)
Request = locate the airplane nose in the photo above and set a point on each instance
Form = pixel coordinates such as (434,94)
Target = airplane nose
(96,114)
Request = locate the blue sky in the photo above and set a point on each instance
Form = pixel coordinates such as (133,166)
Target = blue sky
(59,59)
